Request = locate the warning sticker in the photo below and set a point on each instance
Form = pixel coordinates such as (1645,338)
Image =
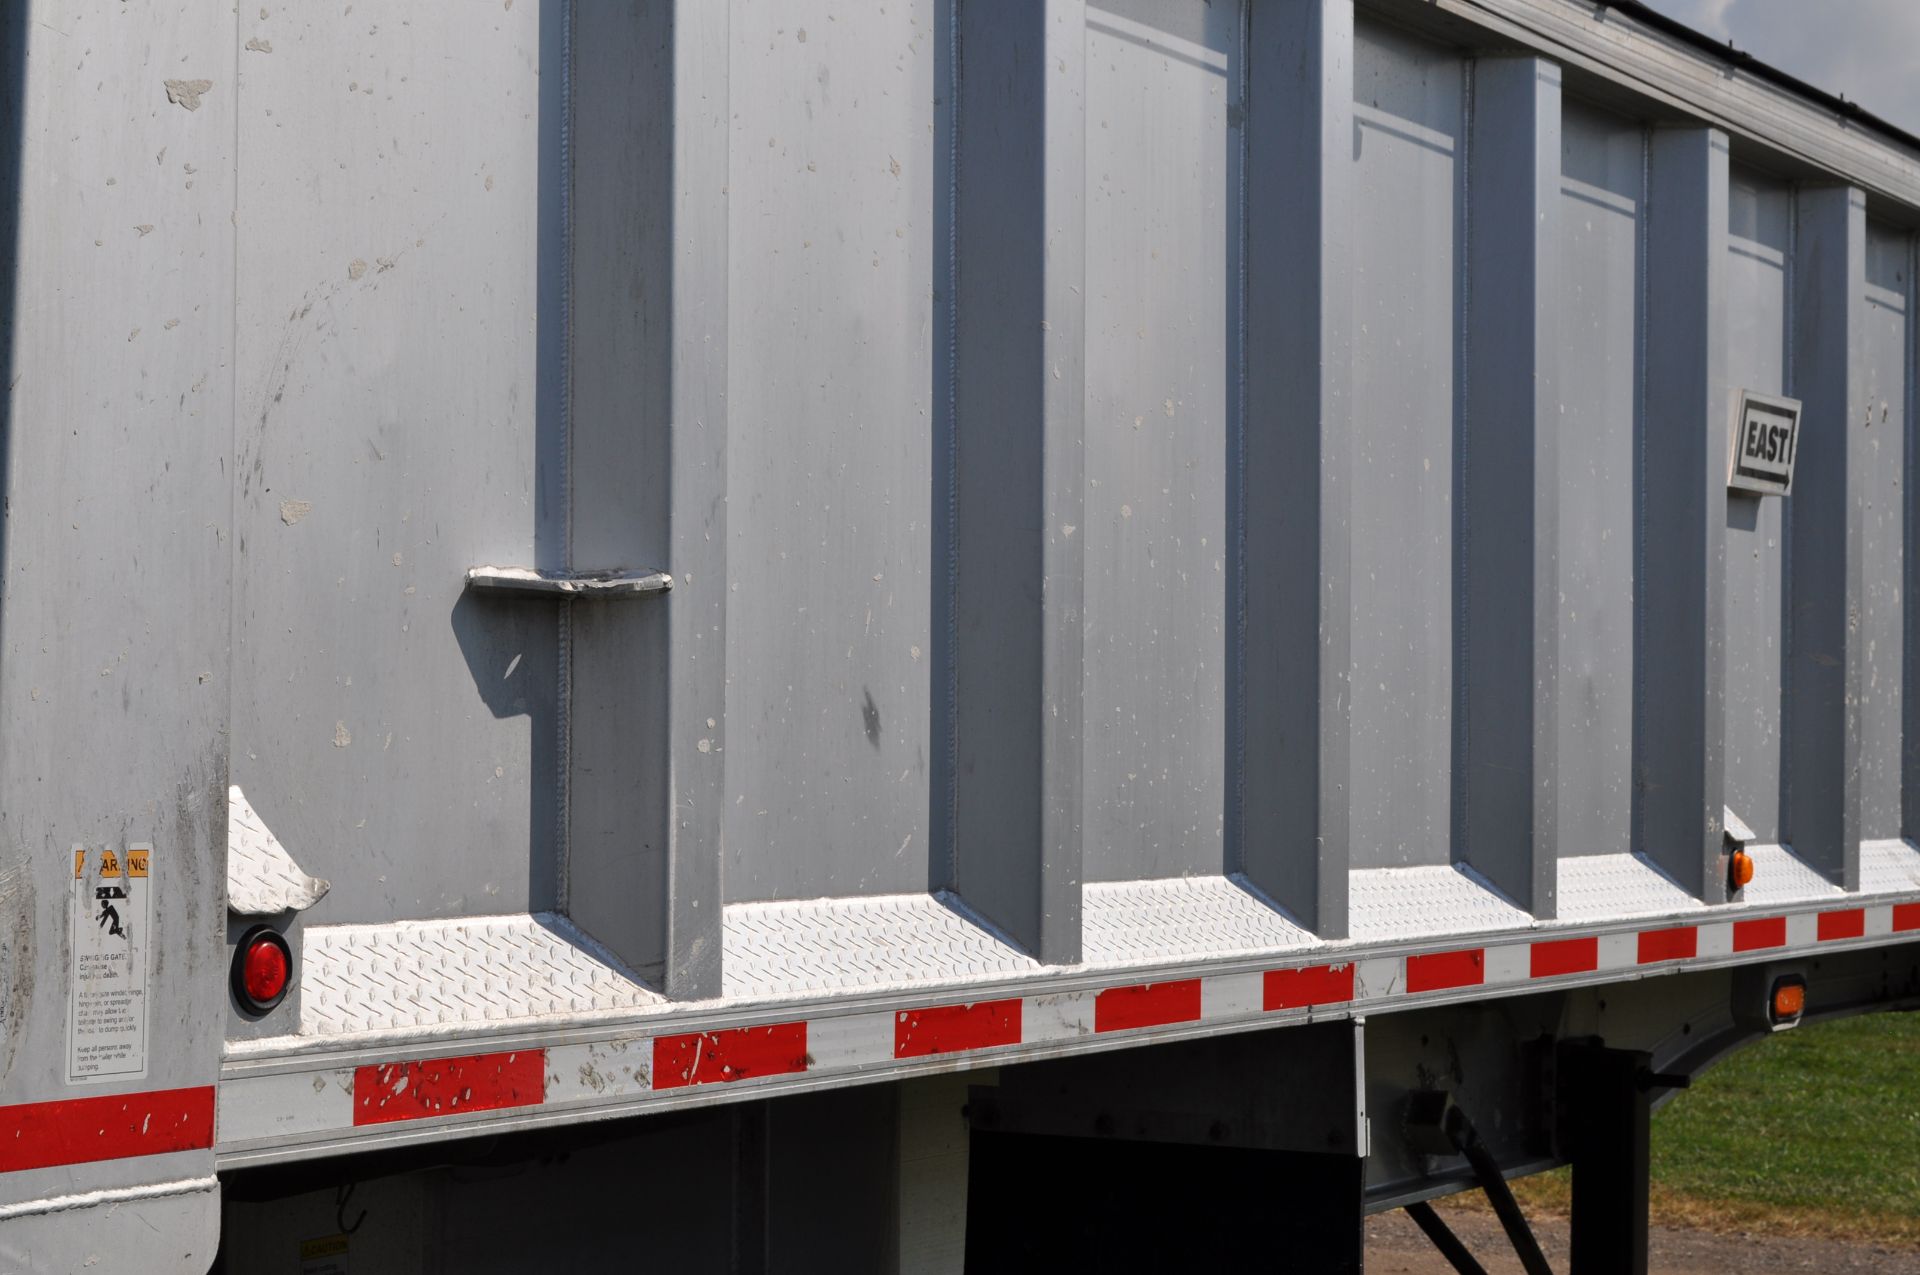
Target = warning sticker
(324,1256)
(107,1010)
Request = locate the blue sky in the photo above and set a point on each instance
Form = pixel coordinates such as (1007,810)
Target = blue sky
(1865,50)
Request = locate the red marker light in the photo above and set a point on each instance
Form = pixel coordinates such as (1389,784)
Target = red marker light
(262,966)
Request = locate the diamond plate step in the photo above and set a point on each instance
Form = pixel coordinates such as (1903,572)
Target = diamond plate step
(1889,867)
(1181,918)
(416,974)
(1601,887)
(1780,876)
(1387,905)
(774,950)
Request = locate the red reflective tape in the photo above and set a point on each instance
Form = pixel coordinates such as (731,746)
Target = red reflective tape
(953,1029)
(1564,956)
(1751,936)
(1440,970)
(1678,944)
(1848,924)
(1120,1009)
(386,1092)
(1314,985)
(43,1135)
(1906,916)
(722,1057)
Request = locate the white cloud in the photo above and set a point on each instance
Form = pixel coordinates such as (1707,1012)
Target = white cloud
(1863,50)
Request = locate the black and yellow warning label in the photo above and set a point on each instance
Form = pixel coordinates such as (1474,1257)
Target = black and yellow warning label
(107,984)
(325,1255)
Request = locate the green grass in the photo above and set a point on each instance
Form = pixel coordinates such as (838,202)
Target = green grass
(1815,1131)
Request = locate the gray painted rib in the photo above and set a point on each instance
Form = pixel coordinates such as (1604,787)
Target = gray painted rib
(1826,514)
(1288,831)
(1508,822)
(647,451)
(1678,775)
(1018,481)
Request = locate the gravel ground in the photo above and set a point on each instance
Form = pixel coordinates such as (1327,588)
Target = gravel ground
(1395,1246)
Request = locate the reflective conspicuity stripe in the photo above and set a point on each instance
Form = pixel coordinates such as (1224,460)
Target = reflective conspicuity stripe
(954,1029)
(723,1057)
(1759,934)
(275,1112)
(1305,988)
(1847,923)
(1681,943)
(1121,1009)
(44,1135)
(1559,957)
(1439,971)
(388,1092)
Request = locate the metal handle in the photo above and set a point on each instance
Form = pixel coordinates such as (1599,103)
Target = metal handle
(616,582)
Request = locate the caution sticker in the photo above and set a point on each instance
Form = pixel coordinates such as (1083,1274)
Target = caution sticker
(107,1007)
(326,1255)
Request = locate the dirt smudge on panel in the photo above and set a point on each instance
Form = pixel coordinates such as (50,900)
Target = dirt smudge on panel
(186,94)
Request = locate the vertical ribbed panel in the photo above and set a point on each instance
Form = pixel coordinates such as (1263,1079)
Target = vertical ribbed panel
(1018,476)
(1825,515)
(1507,823)
(1288,831)
(1680,716)
(647,450)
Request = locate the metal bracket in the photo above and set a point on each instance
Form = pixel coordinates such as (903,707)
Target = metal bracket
(615,582)
(1437,1125)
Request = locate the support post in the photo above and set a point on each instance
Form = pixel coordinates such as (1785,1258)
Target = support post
(1680,638)
(1507,823)
(1008,822)
(646,484)
(1606,1110)
(1290,733)
(1826,535)
(930,1192)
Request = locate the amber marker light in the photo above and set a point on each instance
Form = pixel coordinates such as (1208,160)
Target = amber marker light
(1789,1000)
(1740,869)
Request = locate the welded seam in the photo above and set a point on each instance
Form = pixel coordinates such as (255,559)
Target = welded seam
(1789,386)
(1643,235)
(563,635)
(1461,825)
(1908,665)
(948,848)
(1237,706)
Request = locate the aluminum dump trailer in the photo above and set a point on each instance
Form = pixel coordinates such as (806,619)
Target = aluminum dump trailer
(951,635)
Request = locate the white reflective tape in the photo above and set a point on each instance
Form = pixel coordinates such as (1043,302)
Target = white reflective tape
(292,1103)
(850,1040)
(1064,1016)
(1379,977)
(1509,963)
(606,1069)
(1716,939)
(1803,930)
(1879,920)
(1619,951)
(1227,996)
